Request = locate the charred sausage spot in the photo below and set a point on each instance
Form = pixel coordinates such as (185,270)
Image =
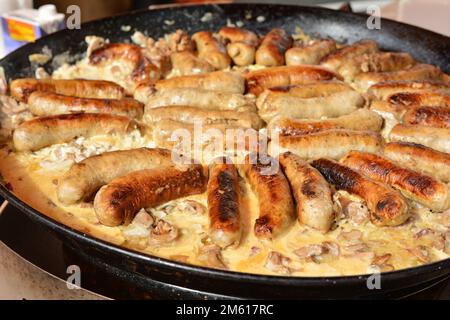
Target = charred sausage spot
(227,196)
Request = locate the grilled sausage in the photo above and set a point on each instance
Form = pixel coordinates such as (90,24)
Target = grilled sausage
(22,88)
(300,102)
(420,158)
(364,81)
(186,63)
(204,99)
(310,53)
(231,82)
(42,132)
(382,90)
(143,70)
(413,185)
(387,207)
(436,138)
(224,204)
(270,52)
(211,50)
(118,202)
(84,178)
(276,208)
(375,62)
(205,117)
(241,44)
(335,59)
(43,103)
(311,192)
(259,80)
(333,143)
(361,119)
(438,117)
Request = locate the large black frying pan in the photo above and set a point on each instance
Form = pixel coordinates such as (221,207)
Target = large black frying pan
(182,280)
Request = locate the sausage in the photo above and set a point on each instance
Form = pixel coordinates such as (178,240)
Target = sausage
(259,80)
(435,138)
(43,103)
(382,90)
(42,132)
(118,202)
(387,207)
(233,34)
(438,117)
(403,100)
(270,52)
(223,194)
(363,81)
(361,119)
(276,207)
(311,192)
(231,82)
(143,70)
(186,63)
(84,178)
(335,59)
(204,99)
(333,143)
(211,50)
(22,88)
(310,53)
(246,119)
(285,102)
(375,62)
(420,158)
(241,44)
(413,185)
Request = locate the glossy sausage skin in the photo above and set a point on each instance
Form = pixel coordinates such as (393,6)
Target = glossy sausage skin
(234,34)
(311,192)
(436,138)
(42,132)
(224,203)
(43,103)
(420,158)
(270,52)
(211,50)
(419,99)
(22,88)
(276,207)
(387,206)
(185,63)
(361,119)
(241,44)
(438,117)
(333,143)
(84,178)
(259,80)
(310,53)
(118,202)
(231,82)
(413,185)
(382,90)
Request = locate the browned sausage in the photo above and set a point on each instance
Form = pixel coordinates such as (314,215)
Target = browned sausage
(224,203)
(259,80)
(413,185)
(382,90)
(387,206)
(420,158)
(436,138)
(118,202)
(22,88)
(310,53)
(211,50)
(273,46)
(276,208)
(43,103)
(438,117)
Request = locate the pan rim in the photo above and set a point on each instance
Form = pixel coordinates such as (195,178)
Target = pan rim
(140,257)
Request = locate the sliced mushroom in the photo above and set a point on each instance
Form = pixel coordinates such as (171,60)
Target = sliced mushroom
(421,253)
(163,233)
(212,257)
(447,243)
(352,236)
(278,263)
